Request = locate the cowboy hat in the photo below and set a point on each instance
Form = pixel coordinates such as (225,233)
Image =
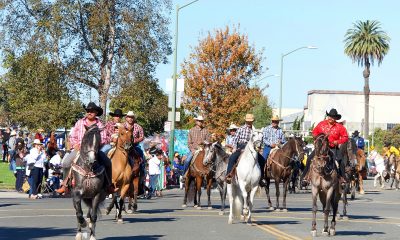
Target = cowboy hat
(93,106)
(13,133)
(130,114)
(356,133)
(334,114)
(232,126)
(199,118)
(37,142)
(40,130)
(275,118)
(117,113)
(249,117)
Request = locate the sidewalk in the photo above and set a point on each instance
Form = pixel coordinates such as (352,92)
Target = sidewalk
(12,194)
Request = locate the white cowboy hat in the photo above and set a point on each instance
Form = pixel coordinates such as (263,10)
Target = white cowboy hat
(37,142)
(199,118)
(249,117)
(232,126)
(130,114)
(13,133)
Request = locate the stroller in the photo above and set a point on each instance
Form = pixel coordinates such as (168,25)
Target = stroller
(53,182)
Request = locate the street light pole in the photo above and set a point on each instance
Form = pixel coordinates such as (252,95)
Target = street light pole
(172,133)
(281,82)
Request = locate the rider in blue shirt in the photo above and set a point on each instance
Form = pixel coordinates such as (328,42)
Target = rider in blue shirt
(359,140)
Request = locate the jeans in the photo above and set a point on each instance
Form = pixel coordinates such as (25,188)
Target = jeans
(187,162)
(234,157)
(266,151)
(30,181)
(106,148)
(37,176)
(153,183)
(5,152)
(20,179)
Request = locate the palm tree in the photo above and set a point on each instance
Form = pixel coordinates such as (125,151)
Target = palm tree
(365,43)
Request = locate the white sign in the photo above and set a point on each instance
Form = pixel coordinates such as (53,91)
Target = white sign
(180,85)
(178,99)
(167,126)
(177,116)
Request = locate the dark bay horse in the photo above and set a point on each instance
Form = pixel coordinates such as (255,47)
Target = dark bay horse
(121,170)
(137,181)
(89,178)
(325,184)
(197,172)
(279,168)
(219,159)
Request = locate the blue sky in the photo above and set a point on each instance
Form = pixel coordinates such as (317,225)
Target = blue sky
(278,27)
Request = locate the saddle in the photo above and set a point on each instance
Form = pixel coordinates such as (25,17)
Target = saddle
(271,156)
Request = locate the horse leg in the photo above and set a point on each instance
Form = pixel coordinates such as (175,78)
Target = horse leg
(326,208)
(251,200)
(277,181)
(199,182)
(285,183)
(93,216)
(268,181)
(209,183)
(224,191)
(79,215)
(344,198)
(111,205)
(334,201)
(314,192)
(136,184)
(187,182)
(245,200)
(230,196)
(221,194)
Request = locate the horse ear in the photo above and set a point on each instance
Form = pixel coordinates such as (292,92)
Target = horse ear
(86,127)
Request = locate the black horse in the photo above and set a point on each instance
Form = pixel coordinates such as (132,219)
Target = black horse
(89,179)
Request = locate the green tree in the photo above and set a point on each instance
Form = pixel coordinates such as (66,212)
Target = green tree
(295,124)
(36,95)
(217,75)
(94,42)
(366,43)
(148,102)
(262,112)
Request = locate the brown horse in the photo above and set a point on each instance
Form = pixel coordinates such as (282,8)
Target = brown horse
(197,172)
(395,170)
(360,169)
(136,180)
(279,168)
(121,170)
(325,183)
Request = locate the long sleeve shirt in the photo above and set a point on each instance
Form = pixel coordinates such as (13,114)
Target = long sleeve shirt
(242,135)
(109,129)
(79,130)
(197,136)
(336,132)
(137,134)
(37,158)
(273,135)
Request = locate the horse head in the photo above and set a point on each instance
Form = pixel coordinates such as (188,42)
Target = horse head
(124,138)
(90,144)
(256,139)
(299,145)
(321,157)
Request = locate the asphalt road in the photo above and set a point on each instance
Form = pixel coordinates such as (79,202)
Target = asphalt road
(374,215)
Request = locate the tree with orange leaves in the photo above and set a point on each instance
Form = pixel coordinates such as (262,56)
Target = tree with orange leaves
(217,79)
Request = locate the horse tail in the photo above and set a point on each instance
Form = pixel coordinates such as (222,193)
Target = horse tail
(191,191)
(237,204)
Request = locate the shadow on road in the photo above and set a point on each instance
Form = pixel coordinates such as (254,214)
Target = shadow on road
(267,222)
(156,210)
(8,204)
(365,217)
(141,237)
(356,233)
(34,233)
(144,220)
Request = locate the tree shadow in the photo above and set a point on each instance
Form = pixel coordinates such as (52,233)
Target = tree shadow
(141,237)
(356,233)
(34,233)
(145,220)
(365,217)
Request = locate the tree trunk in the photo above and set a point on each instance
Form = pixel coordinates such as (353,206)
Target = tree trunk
(366,74)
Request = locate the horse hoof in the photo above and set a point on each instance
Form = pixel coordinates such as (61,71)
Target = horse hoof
(221,213)
(209,208)
(284,210)
(129,211)
(314,233)
(198,208)
(362,192)
(325,233)
(120,221)
(78,236)
(332,232)
(92,238)
(246,212)
(271,208)
(230,221)
(241,218)
(195,206)
(184,205)
(345,218)
(277,210)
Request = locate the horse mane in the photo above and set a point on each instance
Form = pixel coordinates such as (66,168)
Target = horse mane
(321,144)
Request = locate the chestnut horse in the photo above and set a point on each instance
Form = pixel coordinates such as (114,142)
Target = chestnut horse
(196,173)
(395,170)
(279,168)
(137,181)
(121,170)
(325,183)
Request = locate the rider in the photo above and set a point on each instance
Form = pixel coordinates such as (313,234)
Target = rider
(242,137)
(359,140)
(197,136)
(272,137)
(337,134)
(110,128)
(92,113)
(229,139)
(137,138)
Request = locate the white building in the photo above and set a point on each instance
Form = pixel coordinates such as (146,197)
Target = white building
(384,110)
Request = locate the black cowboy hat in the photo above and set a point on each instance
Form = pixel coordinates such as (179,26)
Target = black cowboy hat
(117,113)
(93,106)
(334,114)
(356,133)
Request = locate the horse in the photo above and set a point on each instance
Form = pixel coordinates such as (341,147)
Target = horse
(219,159)
(88,181)
(382,168)
(244,184)
(121,170)
(137,181)
(395,170)
(197,172)
(360,169)
(279,167)
(325,183)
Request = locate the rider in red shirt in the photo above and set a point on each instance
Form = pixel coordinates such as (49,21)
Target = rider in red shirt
(337,135)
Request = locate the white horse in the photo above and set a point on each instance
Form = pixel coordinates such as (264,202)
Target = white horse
(381,168)
(244,184)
